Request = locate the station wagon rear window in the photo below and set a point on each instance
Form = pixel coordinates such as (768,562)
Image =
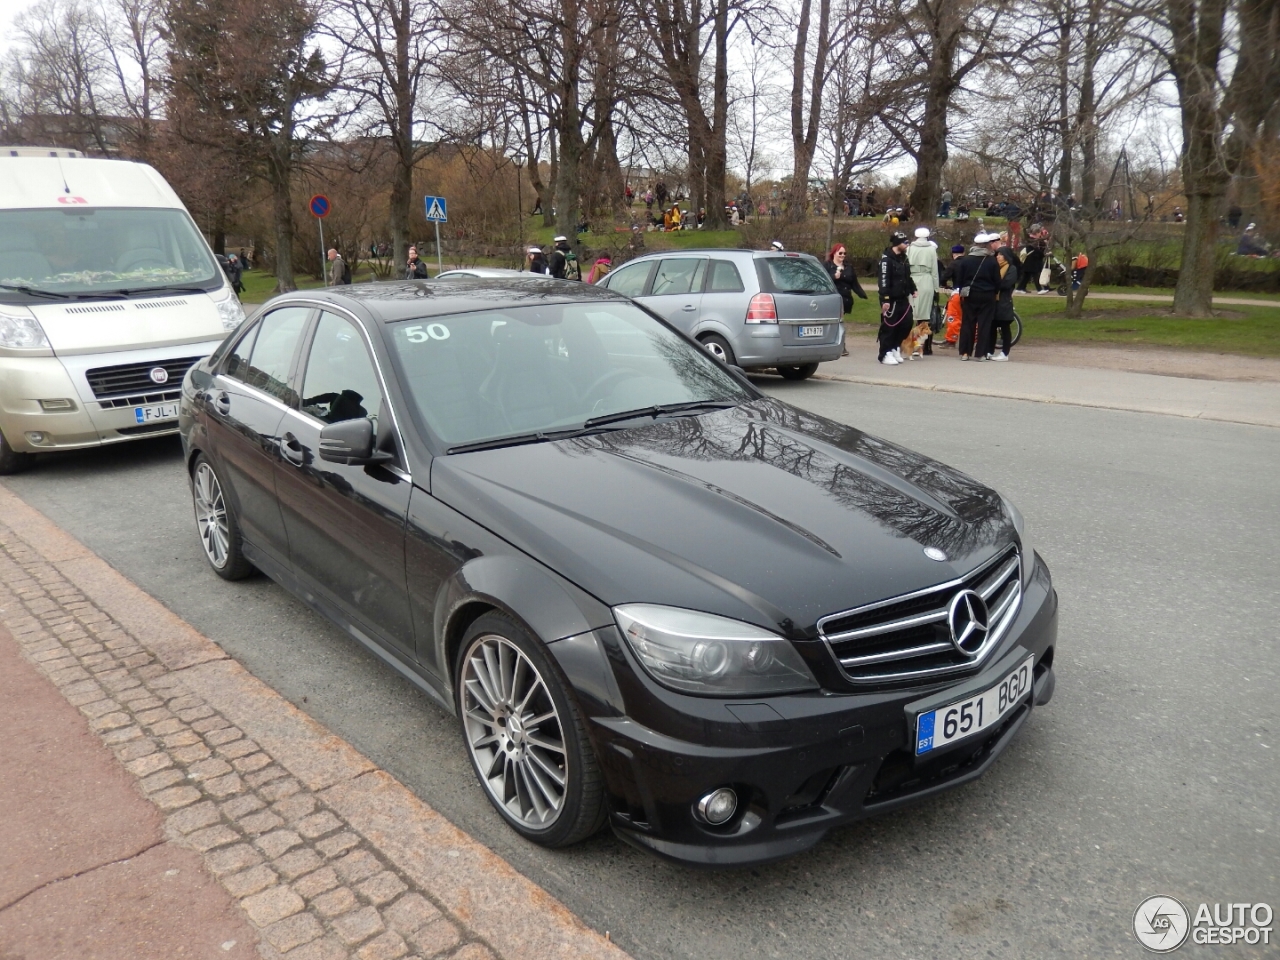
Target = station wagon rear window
(795,275)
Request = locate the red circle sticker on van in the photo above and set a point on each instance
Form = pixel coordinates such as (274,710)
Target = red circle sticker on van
(72,200)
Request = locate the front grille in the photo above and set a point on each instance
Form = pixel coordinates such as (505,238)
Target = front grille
(907,637)
(135,378)
(165,396)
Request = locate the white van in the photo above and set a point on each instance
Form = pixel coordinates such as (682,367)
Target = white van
(108,293)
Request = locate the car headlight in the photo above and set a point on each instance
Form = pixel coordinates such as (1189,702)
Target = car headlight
(230,311)
(713,656)
(1027,548)
(20,330)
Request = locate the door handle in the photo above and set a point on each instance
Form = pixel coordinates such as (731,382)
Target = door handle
(221,402)
(291,449)
(689,308)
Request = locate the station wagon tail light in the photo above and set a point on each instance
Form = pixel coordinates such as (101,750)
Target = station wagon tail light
(762,309)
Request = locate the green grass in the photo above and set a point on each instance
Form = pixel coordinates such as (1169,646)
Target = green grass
(1168,292)
(1247,331)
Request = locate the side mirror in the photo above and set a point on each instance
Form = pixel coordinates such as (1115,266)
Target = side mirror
(351,442)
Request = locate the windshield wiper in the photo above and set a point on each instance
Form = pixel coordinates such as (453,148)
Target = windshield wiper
(660,410)
(593,425)
(131,291)
(36,292)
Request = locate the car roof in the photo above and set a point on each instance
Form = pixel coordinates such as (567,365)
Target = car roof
(722,251)
(478,272)
(397,300)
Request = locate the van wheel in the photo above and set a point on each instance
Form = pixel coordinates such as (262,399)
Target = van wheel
(718,347)
(11,461)
(802,372)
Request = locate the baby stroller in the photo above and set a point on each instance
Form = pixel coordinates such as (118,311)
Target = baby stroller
(953,317)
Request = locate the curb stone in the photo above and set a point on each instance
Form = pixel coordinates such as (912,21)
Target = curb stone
(329,857)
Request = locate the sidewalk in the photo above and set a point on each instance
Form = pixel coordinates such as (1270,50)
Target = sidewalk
(317,854)
(1232,401)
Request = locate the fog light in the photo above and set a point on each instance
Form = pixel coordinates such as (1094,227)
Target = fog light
(61,404)
(38,437)
(718,806)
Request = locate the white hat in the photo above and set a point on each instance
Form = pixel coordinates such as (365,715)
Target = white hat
(777,245)
(559,239)
(922,232)
(986,237)
(534,250)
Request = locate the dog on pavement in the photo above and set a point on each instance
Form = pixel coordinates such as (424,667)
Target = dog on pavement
(919,341)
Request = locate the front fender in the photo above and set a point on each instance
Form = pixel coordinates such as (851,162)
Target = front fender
(550,606)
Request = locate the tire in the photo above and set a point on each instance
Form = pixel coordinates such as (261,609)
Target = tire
(11,461)
(1062,289)
(718,347)
(216,523)
(548,789)
(802,372)
(1016,329)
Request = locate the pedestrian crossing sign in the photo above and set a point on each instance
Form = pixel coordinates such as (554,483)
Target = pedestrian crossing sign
(437,210)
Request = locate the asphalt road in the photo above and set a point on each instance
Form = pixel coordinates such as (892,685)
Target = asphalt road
(1154,769)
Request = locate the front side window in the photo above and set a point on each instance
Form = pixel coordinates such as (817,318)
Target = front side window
(340,383)
(272,352)
(83,251)
(629,280)
(492,374)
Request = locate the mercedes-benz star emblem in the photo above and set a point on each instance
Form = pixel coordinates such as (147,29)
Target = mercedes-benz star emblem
(933,553)
(159,375)
(969,621)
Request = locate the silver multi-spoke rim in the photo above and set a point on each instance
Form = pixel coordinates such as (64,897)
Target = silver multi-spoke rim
(715,350)
(211,515)
(514,731)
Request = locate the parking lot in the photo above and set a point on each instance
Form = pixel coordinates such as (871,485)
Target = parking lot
(1152,771)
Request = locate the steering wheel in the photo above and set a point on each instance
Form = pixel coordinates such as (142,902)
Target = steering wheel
(135,263)
(611,379)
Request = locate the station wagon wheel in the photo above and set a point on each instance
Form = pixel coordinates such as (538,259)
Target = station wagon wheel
(801,371)
(216,523)
(718,347)
(525,736)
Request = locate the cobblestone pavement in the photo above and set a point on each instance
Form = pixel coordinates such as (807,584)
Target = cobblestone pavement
(329,857)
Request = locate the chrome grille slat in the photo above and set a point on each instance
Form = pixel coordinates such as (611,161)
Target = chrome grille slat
(895,655)
(911,643)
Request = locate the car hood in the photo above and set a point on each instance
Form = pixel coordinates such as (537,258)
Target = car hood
(762,512)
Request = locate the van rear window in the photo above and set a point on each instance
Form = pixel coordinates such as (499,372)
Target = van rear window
(795,275)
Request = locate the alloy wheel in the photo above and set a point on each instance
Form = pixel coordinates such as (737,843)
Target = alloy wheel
(514,732)
(716,350)
(211,515)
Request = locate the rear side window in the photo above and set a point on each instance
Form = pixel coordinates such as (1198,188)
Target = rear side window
(678,275)
(794,275)
(725,278)
(273,352)
(629,280)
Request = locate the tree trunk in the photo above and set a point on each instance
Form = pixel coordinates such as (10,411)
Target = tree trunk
(568,176)
(279,174)
(931,158)
(717,148)
(401,197)
(1193,296)
(804,135)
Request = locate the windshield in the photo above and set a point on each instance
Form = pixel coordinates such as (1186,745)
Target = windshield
(525,370)
(798,275)
(102,250)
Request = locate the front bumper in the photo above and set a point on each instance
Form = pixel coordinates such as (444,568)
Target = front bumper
(92,421)
(801,765)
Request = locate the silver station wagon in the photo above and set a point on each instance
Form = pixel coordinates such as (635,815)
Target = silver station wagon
(752,309)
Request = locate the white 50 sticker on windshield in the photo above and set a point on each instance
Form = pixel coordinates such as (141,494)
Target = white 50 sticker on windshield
(432,331)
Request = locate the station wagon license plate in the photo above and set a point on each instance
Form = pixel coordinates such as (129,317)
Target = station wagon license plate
(982,711)
(157,411)
(811,331)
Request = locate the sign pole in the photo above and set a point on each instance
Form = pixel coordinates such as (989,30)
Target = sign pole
(320,224)
(319,207)
(439,258)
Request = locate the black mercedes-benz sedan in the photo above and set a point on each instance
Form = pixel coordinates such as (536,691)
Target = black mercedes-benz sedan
(651,595)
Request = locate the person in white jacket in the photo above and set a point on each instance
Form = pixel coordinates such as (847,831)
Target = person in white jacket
(922,254)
